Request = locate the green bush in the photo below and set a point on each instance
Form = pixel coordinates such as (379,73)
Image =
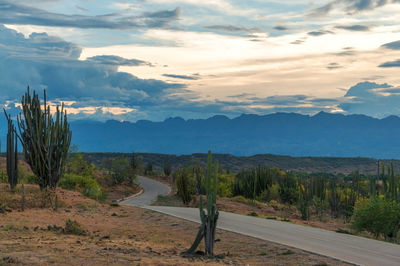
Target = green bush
(73,228)
(121,171)
(29,179)
(86,185)
(224,186)
(378,216)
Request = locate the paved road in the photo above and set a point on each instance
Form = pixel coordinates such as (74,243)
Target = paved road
(348,248)
(151,189)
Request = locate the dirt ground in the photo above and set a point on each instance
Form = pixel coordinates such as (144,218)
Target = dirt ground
(122,235)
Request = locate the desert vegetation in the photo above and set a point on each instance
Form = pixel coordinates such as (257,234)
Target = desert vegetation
(66,220)
(49,167)
(366,204)
(49,162)
(235,164)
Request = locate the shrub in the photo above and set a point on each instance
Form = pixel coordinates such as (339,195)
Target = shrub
(242,199)
(224,188)
(30,179)
(74,228)
(121,171)
(274,193)
(378,216)
(86,185)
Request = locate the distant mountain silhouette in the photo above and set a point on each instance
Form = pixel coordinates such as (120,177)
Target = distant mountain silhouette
(323,134)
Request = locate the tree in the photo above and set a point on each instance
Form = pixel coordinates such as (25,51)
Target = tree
(79,166)
(121,170)
(45,139)
(378,216)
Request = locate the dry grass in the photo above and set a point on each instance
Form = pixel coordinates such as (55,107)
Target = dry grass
(125,236)
(34,198)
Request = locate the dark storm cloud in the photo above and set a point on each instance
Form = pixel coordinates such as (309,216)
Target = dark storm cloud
(349,6)
(231,28)
(281,28)
(321,11)
(367,98)
(192,77)
(392,45)
(333,66)
(42,61)
(117,61)
(14,13)
(319,32)
(354,27)
(395,63)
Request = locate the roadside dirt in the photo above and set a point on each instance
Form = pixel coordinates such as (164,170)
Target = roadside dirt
(123,235)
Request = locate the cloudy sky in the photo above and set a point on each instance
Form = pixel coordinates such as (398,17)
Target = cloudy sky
(154,59)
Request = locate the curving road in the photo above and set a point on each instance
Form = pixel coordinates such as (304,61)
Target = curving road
(353,249)
(151,190)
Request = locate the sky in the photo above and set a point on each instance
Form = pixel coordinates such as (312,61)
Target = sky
(155,59)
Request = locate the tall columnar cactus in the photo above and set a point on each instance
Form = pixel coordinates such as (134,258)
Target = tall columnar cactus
(183,186)
(384,179)
(45,139)
(209,219)
(12,153)
(393,184)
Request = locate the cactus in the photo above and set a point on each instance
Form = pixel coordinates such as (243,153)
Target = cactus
(12,153)
(393,184)
(384,179)
(45,141)
(305,199)
(209,219)
(167,169)
(183,186)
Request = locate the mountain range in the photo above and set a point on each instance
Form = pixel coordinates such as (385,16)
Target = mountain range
(323,134)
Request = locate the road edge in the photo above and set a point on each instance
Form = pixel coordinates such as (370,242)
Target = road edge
(131,196)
